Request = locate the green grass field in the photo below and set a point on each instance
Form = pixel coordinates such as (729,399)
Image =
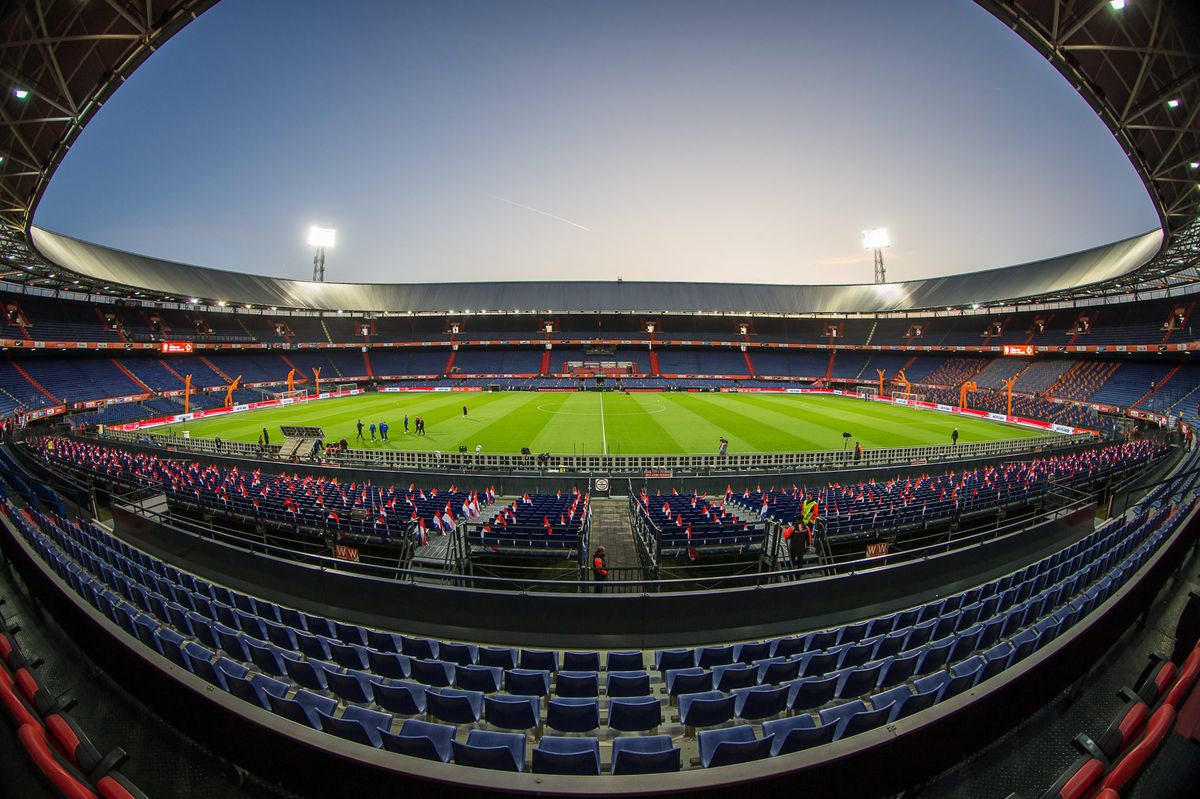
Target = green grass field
(625,424)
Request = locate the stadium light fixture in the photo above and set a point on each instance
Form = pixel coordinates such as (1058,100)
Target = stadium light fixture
(1117,5)
(1192,165)
(320,237)
(877,239)
(1173,102)
(20,94)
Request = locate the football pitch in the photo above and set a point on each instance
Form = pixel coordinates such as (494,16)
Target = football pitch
(612,423)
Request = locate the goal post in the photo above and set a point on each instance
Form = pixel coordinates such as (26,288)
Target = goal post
(869,392)
(338,388)
(294,394)
(908,396)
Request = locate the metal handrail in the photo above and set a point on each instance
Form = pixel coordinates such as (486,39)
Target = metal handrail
(814,460)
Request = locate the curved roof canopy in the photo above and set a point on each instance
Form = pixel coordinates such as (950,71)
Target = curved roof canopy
(164,279)
(1138,67)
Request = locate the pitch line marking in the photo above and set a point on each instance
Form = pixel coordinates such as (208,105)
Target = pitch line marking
(603,437)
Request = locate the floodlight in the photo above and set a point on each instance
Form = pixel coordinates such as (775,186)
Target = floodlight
(875,239)
(321,236)
(20,94)
(1,159)
(1173,103)
(1192,165)
(1117,5)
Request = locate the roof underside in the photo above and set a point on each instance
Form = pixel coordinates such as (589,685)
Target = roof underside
(1128,64)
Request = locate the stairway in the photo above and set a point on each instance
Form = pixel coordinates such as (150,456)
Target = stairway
(132,376)
(325,330)
(829,366)
(749,365)
(1166,379)
(1187,315)
(1033,331)
(34,383)
(171,369)
(213,366)
(367,363)
(653,364)
(449,363)
(545,368)
(871,334)
(299,377)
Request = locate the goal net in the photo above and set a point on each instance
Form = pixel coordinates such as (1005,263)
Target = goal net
(869,392)
(300,392)
(908,397)
(340,387)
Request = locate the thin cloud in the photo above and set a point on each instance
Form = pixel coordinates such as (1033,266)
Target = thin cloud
(543,213)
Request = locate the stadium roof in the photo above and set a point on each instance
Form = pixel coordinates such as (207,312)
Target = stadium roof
(1137,66)
(158,279)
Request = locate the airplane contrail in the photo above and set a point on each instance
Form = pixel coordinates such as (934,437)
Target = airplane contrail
(543,213)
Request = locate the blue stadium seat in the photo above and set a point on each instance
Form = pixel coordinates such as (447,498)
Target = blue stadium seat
(624,661)
(437,673)
(808,693)
(454,706)
(255,689)
(458,654)
(539,660)
(760,702)
(738,675)
(648,754)
(421,739)
(579,661)
(350,686)
(858,681)
(627,683)
(558,755)
(709,656)
(350,656)
(706,709)
(357,724)
(527,682)
(479,678)
(501,751)
(510,712)
(730,745)
(302,708)
(777,670)
(751,652)
(797,733)
(634,713)
(573,714)
(667,659)
(577,683)
(389,664)
(498,656)
(306,673)
(689,680)
(407,699)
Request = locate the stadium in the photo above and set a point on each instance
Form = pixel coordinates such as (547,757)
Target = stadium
(267,536)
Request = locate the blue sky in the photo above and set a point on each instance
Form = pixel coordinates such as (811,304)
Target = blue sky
(668,140)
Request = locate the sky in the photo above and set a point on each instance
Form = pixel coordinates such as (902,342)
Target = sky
(460,140)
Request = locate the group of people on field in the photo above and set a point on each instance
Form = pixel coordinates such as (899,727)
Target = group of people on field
(382,428)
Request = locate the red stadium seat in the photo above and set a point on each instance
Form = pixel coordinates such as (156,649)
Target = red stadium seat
(1131,765)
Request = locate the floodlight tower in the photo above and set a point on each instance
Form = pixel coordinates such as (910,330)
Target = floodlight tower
(877,239)
(320,237)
